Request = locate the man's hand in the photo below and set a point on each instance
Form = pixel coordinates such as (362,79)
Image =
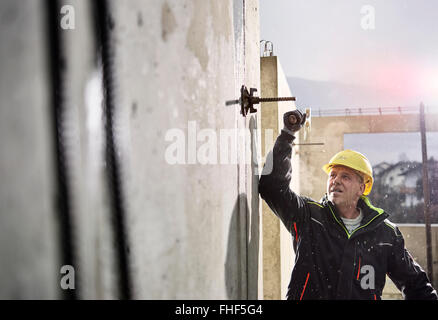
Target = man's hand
(293,121)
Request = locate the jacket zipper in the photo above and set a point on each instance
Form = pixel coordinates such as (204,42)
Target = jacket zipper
(343,227)
(358,270)
(305,285)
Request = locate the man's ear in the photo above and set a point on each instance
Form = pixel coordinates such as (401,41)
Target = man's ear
(362,188)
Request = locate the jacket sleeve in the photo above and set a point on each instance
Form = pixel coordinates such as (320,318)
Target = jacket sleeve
(275,180)
(408,275)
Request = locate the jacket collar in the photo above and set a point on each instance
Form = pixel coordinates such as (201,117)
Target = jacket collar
(373,216)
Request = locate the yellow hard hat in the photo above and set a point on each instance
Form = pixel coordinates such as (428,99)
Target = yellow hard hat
(354,160)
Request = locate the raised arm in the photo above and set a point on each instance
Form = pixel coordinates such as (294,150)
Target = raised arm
(277,173)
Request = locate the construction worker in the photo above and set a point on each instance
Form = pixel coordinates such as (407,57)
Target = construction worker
(344,245)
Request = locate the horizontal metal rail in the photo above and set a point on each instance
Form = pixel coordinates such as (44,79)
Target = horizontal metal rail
(358,111)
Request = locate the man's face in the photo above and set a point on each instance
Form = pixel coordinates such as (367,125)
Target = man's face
(344,186)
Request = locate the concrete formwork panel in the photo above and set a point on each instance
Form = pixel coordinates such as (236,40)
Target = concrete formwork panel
(96,274)
(192,225)
(177,63)
(28,234)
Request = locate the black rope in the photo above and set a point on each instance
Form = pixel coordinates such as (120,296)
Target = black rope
(105,24)
(57,65)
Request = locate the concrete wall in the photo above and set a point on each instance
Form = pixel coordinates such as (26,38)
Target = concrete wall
(96,274)
(28,235)
(177,63)
(278,255)
(415,241)
(192,227)
(30,222)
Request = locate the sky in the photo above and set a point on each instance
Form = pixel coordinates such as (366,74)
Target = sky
(388,46)
(391,45)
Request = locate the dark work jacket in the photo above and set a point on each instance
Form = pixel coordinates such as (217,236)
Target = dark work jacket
(330,262)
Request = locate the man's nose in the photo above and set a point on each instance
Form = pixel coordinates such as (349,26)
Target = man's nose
(335,180)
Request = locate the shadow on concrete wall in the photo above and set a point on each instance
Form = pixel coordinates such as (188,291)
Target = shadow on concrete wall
(241,264)
(236,257)
(254,236)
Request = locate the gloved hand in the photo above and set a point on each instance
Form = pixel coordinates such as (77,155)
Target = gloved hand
(293,121)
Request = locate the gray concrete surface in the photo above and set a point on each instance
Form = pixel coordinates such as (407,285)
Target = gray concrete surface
(28,247)
(178,62)
(192,227)
(415,242)
(95,270)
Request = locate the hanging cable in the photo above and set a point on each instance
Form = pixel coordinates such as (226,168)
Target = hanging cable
(104,26)
(57,66)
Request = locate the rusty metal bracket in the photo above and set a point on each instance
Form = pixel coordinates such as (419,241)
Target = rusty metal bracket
(248,100)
